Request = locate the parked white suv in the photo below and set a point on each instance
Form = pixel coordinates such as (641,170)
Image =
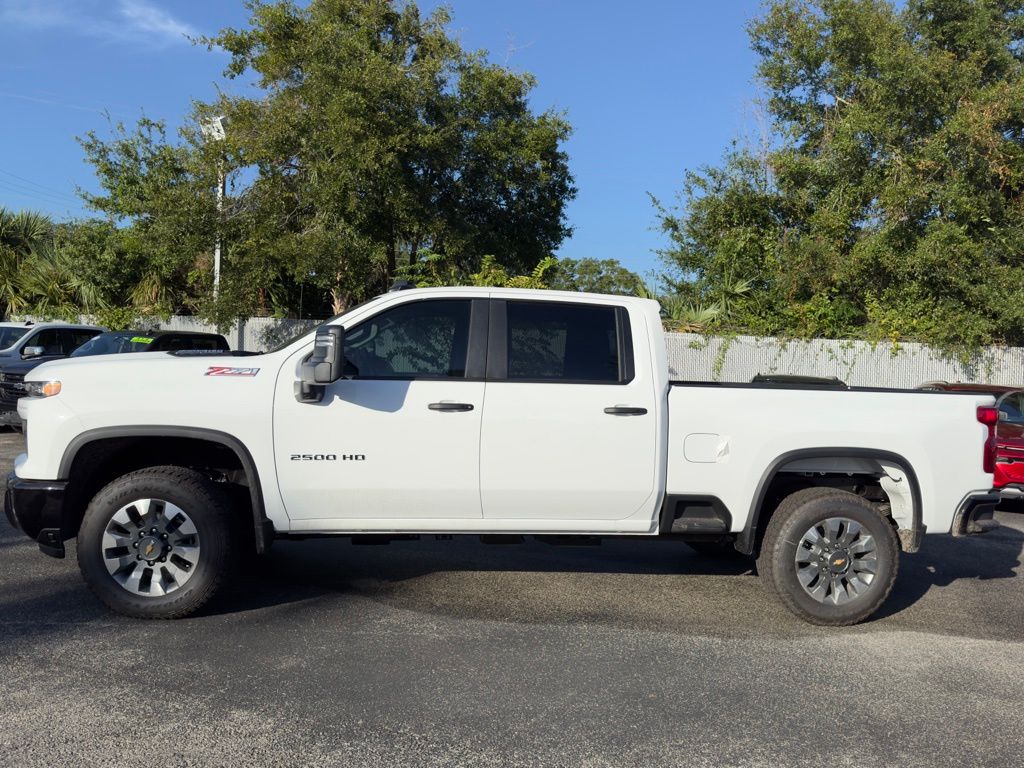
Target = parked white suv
(486,411)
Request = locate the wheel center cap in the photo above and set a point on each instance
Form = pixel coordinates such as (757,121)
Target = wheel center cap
(839,561)
(150,548)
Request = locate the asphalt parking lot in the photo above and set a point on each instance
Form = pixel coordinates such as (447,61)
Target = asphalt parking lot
(455,653)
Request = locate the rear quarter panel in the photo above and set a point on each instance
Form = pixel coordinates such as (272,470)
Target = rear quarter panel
(722,440)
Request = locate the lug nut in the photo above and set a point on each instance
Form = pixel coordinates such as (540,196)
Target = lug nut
(152,530)
(135,544)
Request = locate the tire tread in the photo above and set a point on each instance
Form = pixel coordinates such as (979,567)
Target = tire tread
(773,540)
(215,504)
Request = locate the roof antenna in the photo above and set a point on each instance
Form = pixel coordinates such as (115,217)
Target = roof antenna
(401,285)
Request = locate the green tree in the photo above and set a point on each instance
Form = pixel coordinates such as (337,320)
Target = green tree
(596,276)
(51,286)
(887,199)
(371,136)
(376,136)
(434,270)
(21,233)
(155,248)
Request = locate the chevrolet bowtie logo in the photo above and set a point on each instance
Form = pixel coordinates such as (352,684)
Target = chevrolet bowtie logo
(149,549)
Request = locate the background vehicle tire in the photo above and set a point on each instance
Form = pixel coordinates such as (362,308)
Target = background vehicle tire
(829,556)
(157,543)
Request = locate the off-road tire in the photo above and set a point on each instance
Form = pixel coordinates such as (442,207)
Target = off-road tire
(776,562)
(210,511)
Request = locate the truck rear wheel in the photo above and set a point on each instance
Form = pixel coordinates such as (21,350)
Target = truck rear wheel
(829,555)
(157,543)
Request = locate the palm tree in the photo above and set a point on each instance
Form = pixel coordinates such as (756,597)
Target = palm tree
(732,292)
(685,317)
(50,286)
(21,233)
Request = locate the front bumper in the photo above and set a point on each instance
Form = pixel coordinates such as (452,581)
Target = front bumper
(36,508)
(974,515)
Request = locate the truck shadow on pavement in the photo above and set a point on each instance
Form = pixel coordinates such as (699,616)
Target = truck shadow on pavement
(641,584)
(657,584)
(944,560)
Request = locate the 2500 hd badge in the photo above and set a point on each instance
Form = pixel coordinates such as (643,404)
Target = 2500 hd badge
(328,457)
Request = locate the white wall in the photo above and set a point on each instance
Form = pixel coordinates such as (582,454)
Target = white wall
(256,333)
(697,358)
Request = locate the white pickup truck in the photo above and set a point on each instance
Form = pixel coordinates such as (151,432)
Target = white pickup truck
(490,412)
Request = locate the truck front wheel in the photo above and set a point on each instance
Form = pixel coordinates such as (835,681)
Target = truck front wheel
(830,556)
(157,543)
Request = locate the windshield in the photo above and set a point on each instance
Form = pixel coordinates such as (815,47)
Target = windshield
(9,335)
(113,343)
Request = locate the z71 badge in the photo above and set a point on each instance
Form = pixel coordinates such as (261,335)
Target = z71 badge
(223,370)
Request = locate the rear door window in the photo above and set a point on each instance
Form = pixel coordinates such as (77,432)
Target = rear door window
(556,342)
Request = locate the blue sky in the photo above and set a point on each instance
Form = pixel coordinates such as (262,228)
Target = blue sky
(651,88)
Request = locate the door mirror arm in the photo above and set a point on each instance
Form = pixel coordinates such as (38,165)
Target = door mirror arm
(324,366)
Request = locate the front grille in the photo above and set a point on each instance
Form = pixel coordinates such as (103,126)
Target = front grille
(12,387)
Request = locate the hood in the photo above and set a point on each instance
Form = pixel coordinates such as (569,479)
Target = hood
(138,366)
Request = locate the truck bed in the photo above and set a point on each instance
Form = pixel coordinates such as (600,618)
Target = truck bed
(724,441)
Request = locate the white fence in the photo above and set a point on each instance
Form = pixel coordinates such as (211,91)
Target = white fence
(697,358)
(254,334)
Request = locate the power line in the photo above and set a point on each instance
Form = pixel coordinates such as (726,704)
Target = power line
(36,195)
(43,187)
(18,187)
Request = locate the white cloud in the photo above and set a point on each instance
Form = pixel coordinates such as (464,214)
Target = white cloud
(127,21)
(150,20)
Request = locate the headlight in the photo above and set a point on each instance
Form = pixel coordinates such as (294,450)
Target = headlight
(41,388)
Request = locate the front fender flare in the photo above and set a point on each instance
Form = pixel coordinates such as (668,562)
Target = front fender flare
(262,525)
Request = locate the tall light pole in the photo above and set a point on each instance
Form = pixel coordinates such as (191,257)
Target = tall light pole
(213,129)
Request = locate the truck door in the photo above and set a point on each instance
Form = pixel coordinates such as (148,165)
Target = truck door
(570,430)
(400,437)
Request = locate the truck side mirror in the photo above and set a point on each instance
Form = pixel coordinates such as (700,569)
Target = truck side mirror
(28,352)
(324,366)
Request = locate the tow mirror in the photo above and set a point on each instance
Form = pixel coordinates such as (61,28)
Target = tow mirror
(33,352)
(324,366)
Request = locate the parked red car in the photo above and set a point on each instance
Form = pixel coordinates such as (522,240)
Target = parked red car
(1009,469)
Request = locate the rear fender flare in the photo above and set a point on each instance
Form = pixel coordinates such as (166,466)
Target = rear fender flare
(747,539)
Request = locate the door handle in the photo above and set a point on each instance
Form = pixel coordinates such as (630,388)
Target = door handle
(447,406)
(625,410)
